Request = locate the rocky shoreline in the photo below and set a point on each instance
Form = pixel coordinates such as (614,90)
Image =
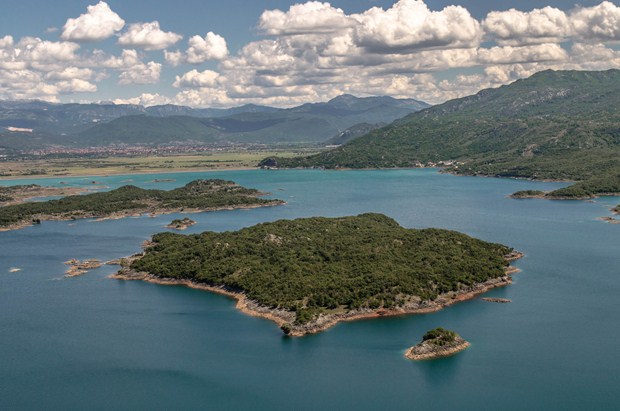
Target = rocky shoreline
(545,195)
(326,321)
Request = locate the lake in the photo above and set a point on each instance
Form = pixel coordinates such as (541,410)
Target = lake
(93,342)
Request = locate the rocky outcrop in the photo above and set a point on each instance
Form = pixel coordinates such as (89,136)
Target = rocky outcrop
(429,351)
(77,267)
(437,343)
(181,224)
(610,220)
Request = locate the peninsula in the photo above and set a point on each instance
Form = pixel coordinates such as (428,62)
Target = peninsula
(18,194)
(437,343)
(309,274)
(196,196)
(607,184)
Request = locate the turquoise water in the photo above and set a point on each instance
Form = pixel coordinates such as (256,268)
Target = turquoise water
(93,342)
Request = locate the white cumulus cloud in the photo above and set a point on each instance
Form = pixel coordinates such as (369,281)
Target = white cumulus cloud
(142,73)
(410,25)
(600,22)
(210,47)
(76,86)
(98,23)
(200,49)
(515,27)
(148,36)
(34,49)
(195,78)
(308,18)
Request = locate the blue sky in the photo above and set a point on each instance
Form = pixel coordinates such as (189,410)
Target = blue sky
(276,52)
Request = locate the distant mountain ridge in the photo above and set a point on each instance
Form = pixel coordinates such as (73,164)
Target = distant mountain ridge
(103,124)
(73,117)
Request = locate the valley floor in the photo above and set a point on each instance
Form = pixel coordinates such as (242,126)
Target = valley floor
(80,166)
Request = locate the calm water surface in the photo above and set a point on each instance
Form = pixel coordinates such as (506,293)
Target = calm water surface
(93,342)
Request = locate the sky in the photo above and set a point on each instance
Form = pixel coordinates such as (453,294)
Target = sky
(205,53)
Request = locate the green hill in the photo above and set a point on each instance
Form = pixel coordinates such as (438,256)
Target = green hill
(553,125)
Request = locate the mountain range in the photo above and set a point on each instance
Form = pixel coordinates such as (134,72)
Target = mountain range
(29,124)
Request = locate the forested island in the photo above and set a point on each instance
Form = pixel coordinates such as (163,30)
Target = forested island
(308,274)
(198,195)
(437,343)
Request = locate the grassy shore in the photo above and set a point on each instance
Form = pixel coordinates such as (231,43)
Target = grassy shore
(75,167)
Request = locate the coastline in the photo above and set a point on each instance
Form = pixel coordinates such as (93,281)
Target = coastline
(326,321)
(440,169)
(136,213)
(545,197)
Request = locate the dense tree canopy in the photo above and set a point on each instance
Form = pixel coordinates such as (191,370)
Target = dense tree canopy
(199,194)
(319,264)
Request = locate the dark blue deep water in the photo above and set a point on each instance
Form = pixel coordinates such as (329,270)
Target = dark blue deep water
(92,342)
